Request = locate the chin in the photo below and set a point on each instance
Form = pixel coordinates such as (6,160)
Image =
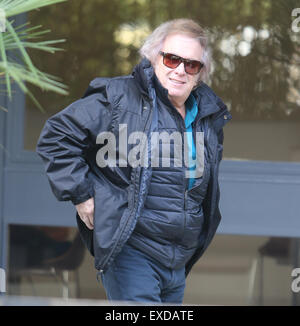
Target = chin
(176,93)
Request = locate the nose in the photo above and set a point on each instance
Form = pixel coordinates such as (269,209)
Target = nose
(180,69)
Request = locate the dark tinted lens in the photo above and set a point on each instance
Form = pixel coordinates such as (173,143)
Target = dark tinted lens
(171,60)
(193,67)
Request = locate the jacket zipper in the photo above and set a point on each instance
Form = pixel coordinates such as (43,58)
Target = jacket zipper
(134,208)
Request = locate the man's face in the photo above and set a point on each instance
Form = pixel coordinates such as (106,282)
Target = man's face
(178,83)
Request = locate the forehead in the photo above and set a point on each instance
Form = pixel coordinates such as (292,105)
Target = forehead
(183,45)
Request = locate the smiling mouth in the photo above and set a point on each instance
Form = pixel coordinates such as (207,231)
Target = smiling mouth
(177,82)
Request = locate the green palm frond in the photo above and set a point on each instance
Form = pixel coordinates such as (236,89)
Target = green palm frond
(19,39)
(31,33)
(15,7)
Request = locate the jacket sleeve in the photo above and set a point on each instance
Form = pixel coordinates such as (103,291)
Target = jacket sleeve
(219,122)
(64,142)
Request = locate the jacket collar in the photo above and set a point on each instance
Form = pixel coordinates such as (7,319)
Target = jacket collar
(143,74)
(208,102)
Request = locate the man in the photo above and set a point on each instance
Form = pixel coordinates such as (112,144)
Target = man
(145,221)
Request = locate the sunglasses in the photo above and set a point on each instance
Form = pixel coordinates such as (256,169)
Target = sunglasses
(172,61)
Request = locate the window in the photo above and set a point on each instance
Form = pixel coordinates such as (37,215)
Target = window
(50,262)
(245,270)
(235,270)
(255,63)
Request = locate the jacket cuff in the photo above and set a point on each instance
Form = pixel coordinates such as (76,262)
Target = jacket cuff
(83,198)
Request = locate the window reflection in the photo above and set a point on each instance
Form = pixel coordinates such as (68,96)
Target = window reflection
(235,270)
(33,245)
(256,63)
(245,270)
(49,261)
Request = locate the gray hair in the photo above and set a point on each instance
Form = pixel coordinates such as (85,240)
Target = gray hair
(154,42)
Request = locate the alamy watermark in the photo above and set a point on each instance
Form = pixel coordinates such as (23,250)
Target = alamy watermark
(142,155)
(295,286)
(2,280)
(296,22)
(2,21)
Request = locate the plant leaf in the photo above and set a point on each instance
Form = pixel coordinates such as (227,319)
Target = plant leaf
(15,7)
(5,63)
